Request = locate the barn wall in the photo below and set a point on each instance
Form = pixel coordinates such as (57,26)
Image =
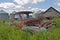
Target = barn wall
(51,13)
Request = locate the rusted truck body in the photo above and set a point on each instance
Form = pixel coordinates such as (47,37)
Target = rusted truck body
(30,21)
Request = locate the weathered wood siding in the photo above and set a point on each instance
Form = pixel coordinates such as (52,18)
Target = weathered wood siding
(51,13)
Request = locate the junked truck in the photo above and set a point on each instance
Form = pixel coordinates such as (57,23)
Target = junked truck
(28,22)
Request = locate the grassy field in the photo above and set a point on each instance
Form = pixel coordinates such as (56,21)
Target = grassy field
(8,32)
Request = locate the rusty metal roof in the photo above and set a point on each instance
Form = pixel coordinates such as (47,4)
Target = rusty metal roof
(24,12)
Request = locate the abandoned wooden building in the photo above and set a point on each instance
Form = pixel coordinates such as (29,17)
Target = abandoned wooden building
(50,12)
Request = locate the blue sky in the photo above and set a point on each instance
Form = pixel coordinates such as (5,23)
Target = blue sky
(29,4)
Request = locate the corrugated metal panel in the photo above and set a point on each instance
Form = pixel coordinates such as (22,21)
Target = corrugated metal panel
(4,16)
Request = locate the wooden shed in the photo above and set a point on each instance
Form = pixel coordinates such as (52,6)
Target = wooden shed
(51,12)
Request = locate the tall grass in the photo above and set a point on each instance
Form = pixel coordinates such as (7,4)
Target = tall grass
(8,32)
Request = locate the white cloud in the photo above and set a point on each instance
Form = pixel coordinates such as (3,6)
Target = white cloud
(23,2)
(29,7)
(36,1)
(6,5)
(57,2)
(32,9)
(36,9)
(10,6)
